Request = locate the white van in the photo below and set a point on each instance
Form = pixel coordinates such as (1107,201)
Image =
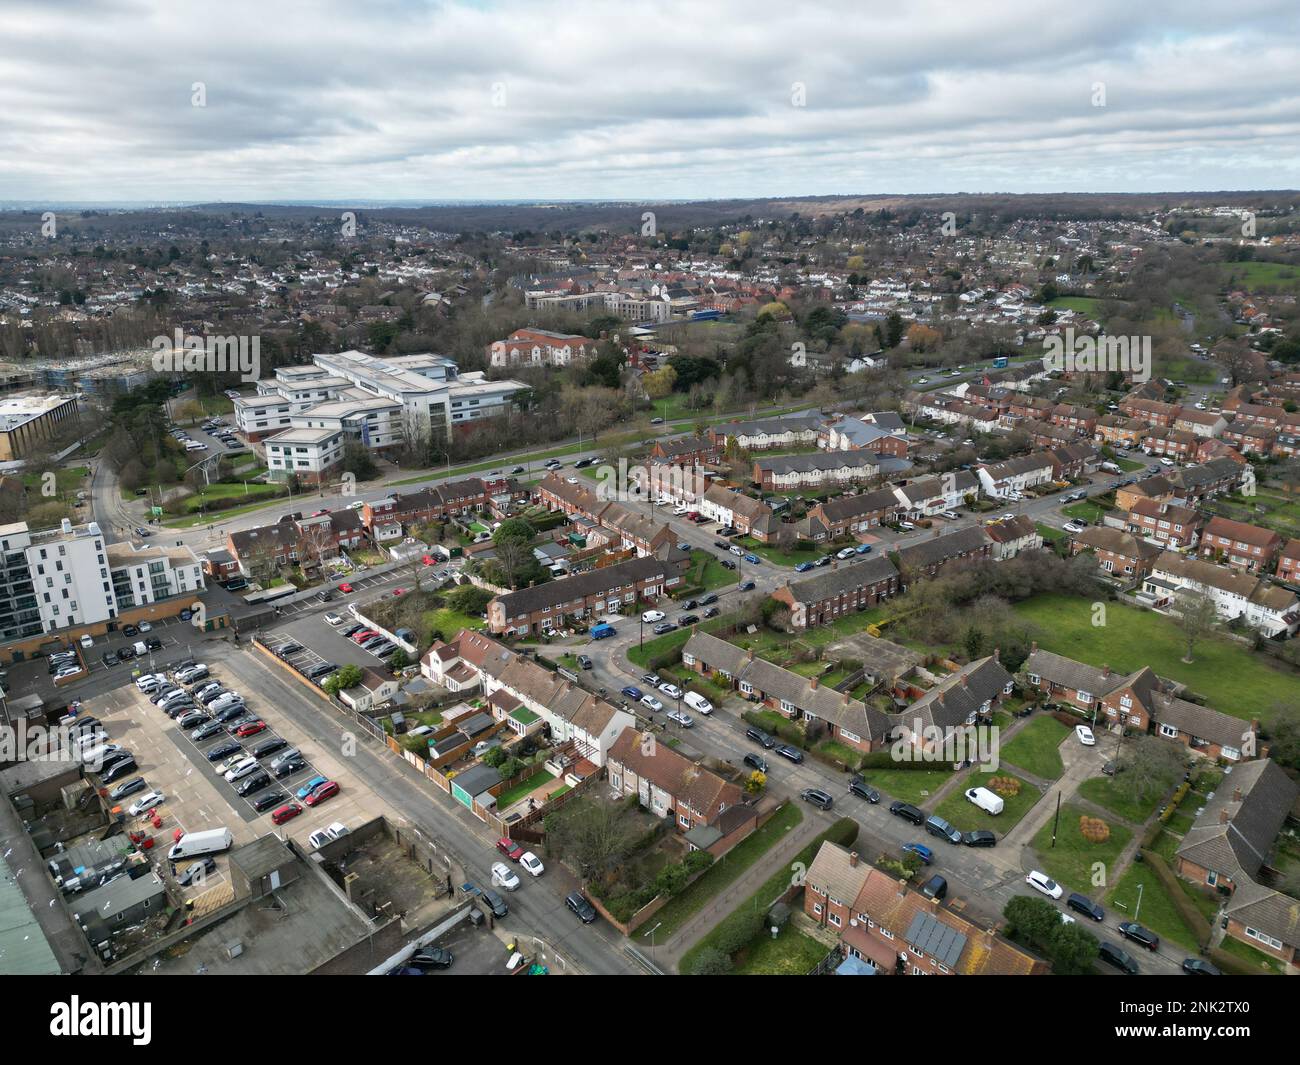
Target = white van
(196,844)
(140,649)
(985,800)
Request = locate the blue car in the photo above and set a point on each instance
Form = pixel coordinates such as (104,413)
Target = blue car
(753,560)
(311,786)
(921,851)
(864,549)
(804,567)
(633,692)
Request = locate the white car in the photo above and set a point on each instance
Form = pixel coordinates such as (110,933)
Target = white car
(847,552)
(87,641)
(321,836)
(649,617)
(696,701)
(532,863)
(653,703)
(670,690)
(1085,735)
(333,619)
(504,876)
(1044,883)
(1072,527)
(907,525)
(145,802)
(144,626)
(241,769)
(1166,461)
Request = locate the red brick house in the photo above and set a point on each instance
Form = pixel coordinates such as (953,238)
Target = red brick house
(1238,544)
(1166,523)
(838,590)
(667,783)
(1176,444)
(1119,553)
(1288,562)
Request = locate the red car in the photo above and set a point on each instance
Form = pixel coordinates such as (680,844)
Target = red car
(345,588)
(285,813)
(323,791)
(428,561)
(364,634)
(399,591)
(250,728)
(510,849)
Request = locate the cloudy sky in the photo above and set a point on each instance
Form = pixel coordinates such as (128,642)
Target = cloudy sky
(551,99)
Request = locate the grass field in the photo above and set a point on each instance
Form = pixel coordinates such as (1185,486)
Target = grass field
(1261,277)
(963,813)
(1087,510)
(524,787)
(65,480)
(791,953)
(1035,748)
(1103,791)
(1073,861)
(910,785)
(1227,674)
(1156,910)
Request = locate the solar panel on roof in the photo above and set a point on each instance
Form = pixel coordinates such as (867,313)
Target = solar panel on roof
(931,936)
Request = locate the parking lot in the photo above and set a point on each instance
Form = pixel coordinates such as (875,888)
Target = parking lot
(364,587)
(197,796)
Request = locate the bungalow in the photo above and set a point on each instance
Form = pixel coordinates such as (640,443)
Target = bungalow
(667,783)
(966,697)
(1236,543)
(886,925)
(838,591)
(372,690)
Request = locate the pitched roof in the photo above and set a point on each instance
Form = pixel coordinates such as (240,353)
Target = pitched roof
(940,548)
(581,585)
(1256,798)
(959,695)
(833,580)
(690,785)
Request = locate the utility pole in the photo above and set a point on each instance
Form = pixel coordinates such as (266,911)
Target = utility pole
(1056,821)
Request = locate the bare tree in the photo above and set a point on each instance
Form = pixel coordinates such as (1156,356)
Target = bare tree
(1197,617)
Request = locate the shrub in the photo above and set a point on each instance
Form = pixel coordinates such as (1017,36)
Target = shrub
(1007,787)
(709,962)
(1094,829)
(736,933)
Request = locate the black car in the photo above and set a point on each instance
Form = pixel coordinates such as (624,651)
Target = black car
(935,888)
(109,658)
(221,750)
(937,826)
(1199,967)
(126,653)
(179,709)
(747,586)
(907,812)
(118,771)
(130,630)
(496,904)
(193,719)
(231,712)
(712,612)
(861,788)
(269,747)
(321,670)
(1084,905)
(690,604)
(979,838)
(708,599)
(756,761)
(1118,957)
(287,769)
(578,903)
(153,643)
(206,731)
(432,958)
(256,782)
(584,662)
(269,801)
(1134,931)
(759,736)
(352,629)
(786,751)
(196,871)
(687,619)
(817,797)
(288,648)
(130,787)
(721,546)
(726,563)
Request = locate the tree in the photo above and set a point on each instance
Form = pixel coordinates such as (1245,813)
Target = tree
(591,833)
(358,461)
(514,529)
(1032,919)
(710,962)
(1072,949)
(659,383)
(1148,766)
(347,677)
(1197,617)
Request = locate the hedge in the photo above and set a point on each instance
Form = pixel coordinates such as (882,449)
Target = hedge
(886,760)
(786,730)
(1192,917)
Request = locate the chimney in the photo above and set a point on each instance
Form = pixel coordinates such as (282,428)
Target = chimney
(1223,817)
(853,859)
(997,654)
(694,628)
(1105,671)
(1236,794)
(813,682)
(1033,646)
(965,683)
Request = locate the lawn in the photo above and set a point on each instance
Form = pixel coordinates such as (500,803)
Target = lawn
(791,953)
(725,872)
(1035,747)
(449,622)
(642,653)
(779,556)
(1087,510)
(1156,911)
(910,785)
(1265,962)
(1071,862)
(65,481)
(1049,535)
(523,788)
(1228,675)
(964,814)
(1104,792)
(707,572)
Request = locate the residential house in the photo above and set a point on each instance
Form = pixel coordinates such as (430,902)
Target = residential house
(667,783)
(1163,523)
(1271,608)
(927,557)
(1238,544)
(1010,536)
(932,495)
(1119,553)
(606,589)
(792,473)
(848,515)
(1015,476)
(838,590)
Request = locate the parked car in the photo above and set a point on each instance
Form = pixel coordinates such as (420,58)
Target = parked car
(937,826)
(921,851)
(785,750)
(223,750)
(649,617)
(681,718)
(981,837)
(633,692)
(126,789)
(1138,934)
(1044,883)
(577,902)
(907,812)
(651,703)
(196,871)
(289,768)
(532,863)
(935,888)
(663,628)
(861,788)
(256,782)
(817,798)
(510,849)
(504,876)
(267,747)
(1118,957)
(1084,905)
(1199,967)
(760,737)
(285,813)
(325,791)
(1085,735)
(756,761)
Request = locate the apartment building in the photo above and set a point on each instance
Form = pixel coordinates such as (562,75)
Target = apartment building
(30,418)
(539,347)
